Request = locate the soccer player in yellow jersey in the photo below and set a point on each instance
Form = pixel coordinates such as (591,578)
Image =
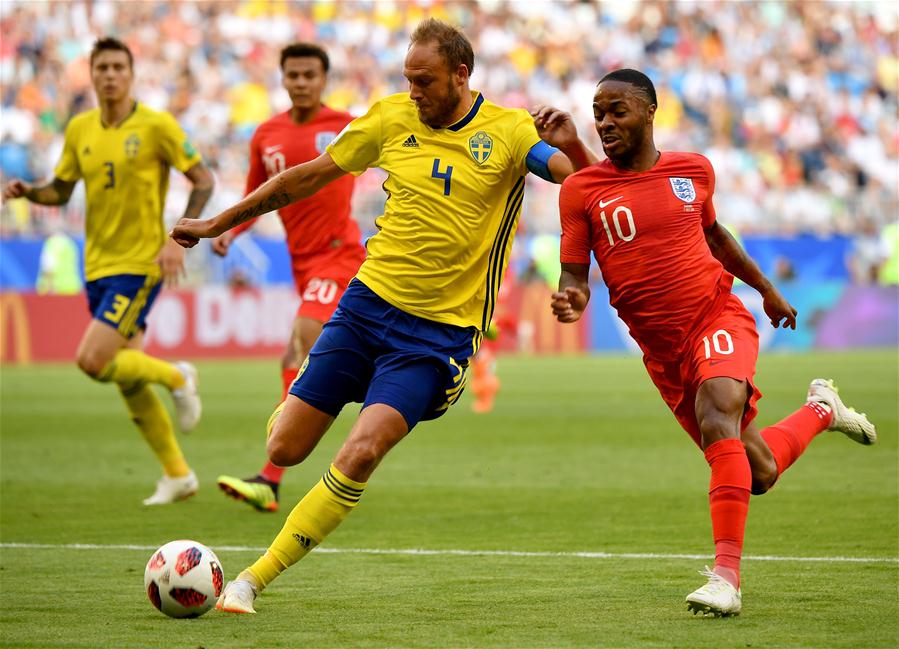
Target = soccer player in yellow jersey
(123,151)
(404,331)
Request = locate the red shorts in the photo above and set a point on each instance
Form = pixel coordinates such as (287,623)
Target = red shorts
(725,346)
(322,279)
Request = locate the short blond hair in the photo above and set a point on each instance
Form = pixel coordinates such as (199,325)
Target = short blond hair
(452,44)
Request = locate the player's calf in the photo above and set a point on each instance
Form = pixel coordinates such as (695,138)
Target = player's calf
(761,461)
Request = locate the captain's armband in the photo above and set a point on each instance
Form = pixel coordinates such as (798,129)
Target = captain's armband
(538,160)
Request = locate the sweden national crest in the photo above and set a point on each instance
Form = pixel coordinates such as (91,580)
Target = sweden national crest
(132,144)
(683,189)
(480,145)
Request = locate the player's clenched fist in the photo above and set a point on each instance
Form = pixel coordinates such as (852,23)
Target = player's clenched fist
(188,232)
(15,189)
(569,305)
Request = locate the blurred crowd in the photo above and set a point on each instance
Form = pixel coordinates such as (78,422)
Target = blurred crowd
(795,103)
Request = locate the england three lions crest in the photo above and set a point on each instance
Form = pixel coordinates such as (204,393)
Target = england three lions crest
(323,139)
(683,189)
(480,145)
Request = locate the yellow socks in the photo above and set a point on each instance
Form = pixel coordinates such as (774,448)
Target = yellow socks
(151,417)
(315,516)
(130,366)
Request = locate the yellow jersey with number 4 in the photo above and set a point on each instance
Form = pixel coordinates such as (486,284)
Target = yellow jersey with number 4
(454,197)
(126,176)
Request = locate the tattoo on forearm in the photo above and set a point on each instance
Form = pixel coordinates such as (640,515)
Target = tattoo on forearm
(274,202)
(196,202)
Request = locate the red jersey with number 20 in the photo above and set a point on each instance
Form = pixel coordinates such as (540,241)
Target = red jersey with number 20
(322,221)
(645,230)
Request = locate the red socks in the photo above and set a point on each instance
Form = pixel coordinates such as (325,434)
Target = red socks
(789,437)
(729,490)
(288,374)
(272,473)
(731,481)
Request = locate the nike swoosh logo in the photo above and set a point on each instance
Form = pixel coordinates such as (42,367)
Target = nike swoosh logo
(272,149)
(603,204)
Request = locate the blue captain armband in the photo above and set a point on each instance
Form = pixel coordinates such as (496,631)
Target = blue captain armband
(538,160)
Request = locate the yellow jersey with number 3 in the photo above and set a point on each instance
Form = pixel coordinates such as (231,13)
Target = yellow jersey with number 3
(126,176)
(454,197)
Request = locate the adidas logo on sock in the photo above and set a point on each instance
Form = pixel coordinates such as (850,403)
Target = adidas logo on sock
(411,141)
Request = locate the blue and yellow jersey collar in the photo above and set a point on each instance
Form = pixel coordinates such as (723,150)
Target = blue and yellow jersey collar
(472,112)
(104,125)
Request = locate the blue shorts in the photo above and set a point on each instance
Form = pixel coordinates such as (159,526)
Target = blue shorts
(123,301)
(372,352)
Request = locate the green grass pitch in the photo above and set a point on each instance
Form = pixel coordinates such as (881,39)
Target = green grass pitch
(579,456)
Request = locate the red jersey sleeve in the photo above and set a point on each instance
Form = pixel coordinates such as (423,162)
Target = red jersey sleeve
(708,207)
(575,222)
(255,177)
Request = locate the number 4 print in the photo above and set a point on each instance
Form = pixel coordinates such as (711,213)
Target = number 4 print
(446,176)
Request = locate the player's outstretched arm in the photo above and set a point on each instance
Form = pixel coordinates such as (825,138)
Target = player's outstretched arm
(56,192)
(736,262)
(556,128)
(570,301)
(287,187)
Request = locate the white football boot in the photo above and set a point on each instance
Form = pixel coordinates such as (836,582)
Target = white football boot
(187,398)
(169,490)
(718,597)
(237,597)
(852,424)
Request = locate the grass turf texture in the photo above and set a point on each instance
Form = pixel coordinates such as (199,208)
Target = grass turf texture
(580,454)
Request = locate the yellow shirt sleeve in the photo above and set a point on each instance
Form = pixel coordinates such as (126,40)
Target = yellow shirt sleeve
(524,136)
(358,146)
(176,148)
(68,168)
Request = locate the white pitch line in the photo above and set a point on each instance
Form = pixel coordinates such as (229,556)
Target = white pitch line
(461,553)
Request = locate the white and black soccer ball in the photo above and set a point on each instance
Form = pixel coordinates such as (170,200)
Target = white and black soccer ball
(183,579)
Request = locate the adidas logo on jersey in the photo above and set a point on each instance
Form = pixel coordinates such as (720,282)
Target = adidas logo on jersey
(411,142)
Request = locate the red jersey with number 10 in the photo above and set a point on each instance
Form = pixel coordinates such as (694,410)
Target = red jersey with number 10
(645,230)
(322,221)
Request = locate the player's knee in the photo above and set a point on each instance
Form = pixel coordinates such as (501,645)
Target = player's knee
(715,427)
(92,365)
(285,452)
(361,456)
(281,454)
(284,446)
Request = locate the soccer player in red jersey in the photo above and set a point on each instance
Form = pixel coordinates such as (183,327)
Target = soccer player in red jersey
(648,218)
(323,239)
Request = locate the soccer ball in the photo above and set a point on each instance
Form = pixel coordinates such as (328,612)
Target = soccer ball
(183,579)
